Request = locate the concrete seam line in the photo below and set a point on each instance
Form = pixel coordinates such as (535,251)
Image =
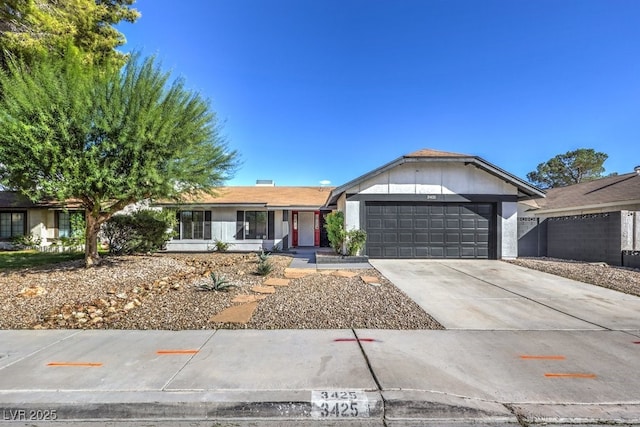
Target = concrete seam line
(164,387)
(528,298)
(373,375)
(42,349)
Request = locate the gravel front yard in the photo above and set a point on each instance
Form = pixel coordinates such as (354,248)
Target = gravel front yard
(158,292)
(617,278)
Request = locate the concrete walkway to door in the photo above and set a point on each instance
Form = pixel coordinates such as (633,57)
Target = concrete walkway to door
(496,295)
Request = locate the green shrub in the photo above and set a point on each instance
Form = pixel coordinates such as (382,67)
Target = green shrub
(78,228)
(264,268)
(355,241)
(28,241)
(143,231)
(220,246)
(334,224)
(352,241)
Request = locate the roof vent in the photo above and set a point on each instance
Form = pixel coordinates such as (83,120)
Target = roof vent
(637,169)
(265,183)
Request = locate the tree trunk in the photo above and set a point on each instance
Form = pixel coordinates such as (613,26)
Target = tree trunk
(91,255)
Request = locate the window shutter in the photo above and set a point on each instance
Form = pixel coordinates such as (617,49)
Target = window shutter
(271,225)
(240,225)
(179,225)
(207,225)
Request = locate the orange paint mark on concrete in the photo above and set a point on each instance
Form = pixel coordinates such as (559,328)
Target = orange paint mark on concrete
(541,357)
(75,364)
(569,375)
(165,352)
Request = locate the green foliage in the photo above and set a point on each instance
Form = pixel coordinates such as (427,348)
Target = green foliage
(218,283)
(220,246)
(355,241)
(72,130)
(570,168)
(264,264)
(143,231)
(263,256)
(28,241)
(334,224)
(78,228)
(352,241)
(34,28)
(32,258)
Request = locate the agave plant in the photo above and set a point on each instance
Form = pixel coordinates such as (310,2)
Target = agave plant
(217,283)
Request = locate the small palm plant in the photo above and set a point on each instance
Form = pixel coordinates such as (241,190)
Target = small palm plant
(218,283)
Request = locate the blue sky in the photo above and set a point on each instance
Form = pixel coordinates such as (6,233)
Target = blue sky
(313,90)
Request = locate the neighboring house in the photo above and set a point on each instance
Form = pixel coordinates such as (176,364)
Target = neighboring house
(19,216)
(591,221)
(251,218)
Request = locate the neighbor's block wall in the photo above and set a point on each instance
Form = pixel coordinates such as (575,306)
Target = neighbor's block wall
(593,237)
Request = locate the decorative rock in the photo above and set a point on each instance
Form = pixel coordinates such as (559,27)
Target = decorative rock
(129,306)
(248,298)
(237,314)
(264,289)
(175,286)
(33,291)
(121,295)
(371,280)
(342,273)
(296,273)
(273,281)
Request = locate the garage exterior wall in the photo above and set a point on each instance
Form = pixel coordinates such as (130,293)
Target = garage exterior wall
(434,178)
(439,182)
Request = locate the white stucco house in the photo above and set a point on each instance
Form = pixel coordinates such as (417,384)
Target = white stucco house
(427,204)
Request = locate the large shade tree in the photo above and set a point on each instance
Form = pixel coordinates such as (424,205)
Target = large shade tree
(31,28)
(572,167)
(106,138)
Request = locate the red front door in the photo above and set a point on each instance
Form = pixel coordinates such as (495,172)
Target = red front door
(294,229)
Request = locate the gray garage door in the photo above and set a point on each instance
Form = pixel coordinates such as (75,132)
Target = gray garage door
(429,230)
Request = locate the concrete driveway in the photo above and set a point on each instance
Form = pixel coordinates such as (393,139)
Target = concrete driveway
(495,295)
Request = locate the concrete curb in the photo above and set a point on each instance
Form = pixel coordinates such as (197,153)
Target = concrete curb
(406,407)
(90,405)
(578,414)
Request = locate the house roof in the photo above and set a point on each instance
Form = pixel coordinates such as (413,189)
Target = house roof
(16,200)
(525,189)
(284,197)
(613,190)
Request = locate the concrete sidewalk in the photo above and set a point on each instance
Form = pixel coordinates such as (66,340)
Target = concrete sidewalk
(319,377)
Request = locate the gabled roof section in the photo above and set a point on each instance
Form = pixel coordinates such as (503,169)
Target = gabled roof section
(525,189)
(273,197)
(426,152)
(618,189)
